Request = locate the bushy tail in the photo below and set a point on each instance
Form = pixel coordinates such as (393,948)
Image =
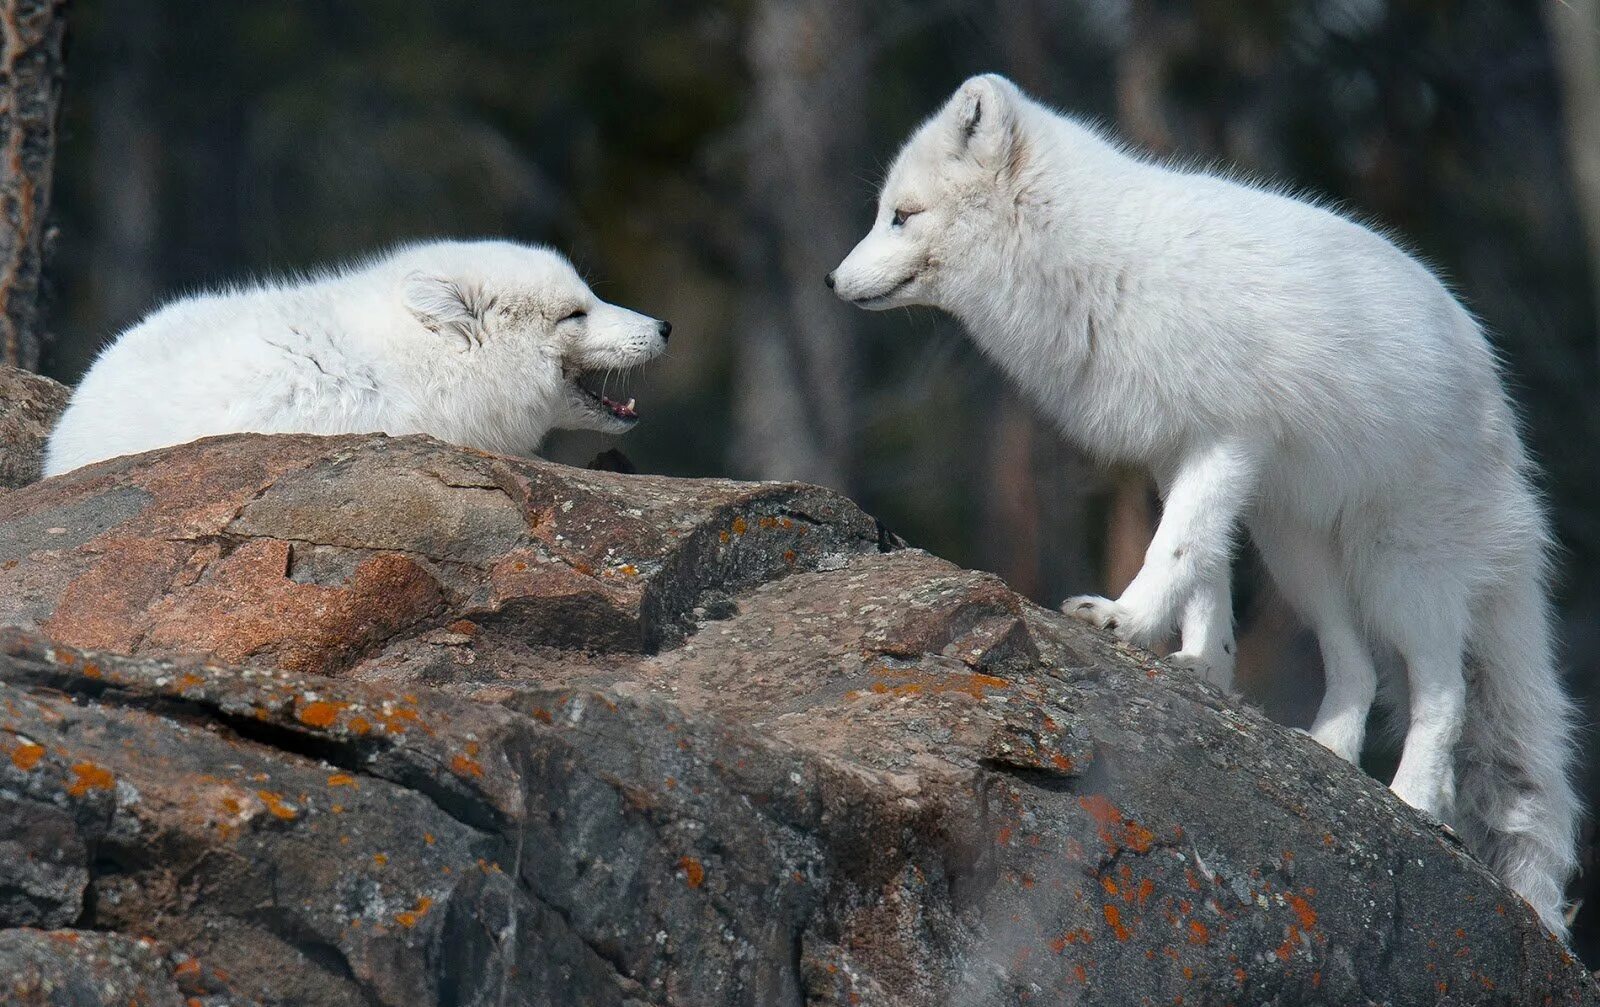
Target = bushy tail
(1515,804)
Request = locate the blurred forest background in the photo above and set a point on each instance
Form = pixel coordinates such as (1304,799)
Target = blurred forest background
(709,162)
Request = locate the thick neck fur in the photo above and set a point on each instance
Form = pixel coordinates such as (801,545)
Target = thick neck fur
(1042,296)
(385,368)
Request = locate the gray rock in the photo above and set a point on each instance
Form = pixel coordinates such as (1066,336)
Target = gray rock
(29,405)
(382,721)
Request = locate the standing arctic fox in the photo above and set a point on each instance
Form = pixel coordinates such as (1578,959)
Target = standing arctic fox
(1278,366)
(480,343)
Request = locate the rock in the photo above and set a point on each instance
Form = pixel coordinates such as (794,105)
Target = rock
(373,721)
(29,405)
(79,968)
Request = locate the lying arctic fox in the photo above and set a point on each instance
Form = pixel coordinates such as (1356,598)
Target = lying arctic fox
(1278,366)
(480,343)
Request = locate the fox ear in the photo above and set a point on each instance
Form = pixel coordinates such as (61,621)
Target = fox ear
(984,114)
(446,306)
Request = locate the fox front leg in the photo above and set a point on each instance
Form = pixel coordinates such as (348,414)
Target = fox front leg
(1191,549)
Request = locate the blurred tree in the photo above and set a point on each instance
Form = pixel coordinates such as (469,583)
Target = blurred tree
(30,95)
(1575,32)
(796,391)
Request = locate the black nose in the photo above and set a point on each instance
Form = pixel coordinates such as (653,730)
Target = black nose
(665,328)
(828,280)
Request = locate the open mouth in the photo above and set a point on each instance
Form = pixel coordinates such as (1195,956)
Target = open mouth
(885,295)
(598,401)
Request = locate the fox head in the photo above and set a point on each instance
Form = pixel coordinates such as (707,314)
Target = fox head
(519,330)
(956,179)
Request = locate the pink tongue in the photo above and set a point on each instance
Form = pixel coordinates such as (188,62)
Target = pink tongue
(620,409)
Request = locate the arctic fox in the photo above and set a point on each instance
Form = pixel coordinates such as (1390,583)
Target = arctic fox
(1279,367)
(480,343)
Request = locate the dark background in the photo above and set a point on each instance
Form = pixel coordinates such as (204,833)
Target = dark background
(707,163)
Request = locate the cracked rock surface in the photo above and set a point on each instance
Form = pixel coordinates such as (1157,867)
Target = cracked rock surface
(29,405)
(361,720)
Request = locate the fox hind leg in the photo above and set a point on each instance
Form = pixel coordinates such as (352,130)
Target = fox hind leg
(1306,569)
(1436,675)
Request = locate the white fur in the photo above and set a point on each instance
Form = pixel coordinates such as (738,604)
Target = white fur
(472,342)
(1280,368)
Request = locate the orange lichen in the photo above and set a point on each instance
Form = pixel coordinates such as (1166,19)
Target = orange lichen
(976,683)
(1061,762)
(1114,921)
(276,805)
(1147,888)
(319,713)
(189,680)
(89,776)
(409,918)
(1116,831)
(789,556)
(542,715)
(694,872)
(1308,916)
(739,526)
(1078,936)
(461,765)
(465,627)
(1284,950)
(27,755)
(1199,933)
(342,780)
(398,720)
(381,859)
(359,725)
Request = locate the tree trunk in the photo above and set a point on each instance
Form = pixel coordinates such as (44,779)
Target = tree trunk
(30,98)
(125,256)
(797,359)
(1575,39)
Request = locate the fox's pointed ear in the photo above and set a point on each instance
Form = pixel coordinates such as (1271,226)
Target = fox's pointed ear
(446,306)
(983,113)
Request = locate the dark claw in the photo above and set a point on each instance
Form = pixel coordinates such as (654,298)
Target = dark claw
(1111,624)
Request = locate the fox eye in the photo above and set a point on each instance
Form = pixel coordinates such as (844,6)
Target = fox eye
(901,216)
(576,315)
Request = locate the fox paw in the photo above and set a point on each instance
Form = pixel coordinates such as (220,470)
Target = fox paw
(1098,611)
(1218,672)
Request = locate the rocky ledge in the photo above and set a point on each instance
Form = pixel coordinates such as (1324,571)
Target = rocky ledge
(367,721)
